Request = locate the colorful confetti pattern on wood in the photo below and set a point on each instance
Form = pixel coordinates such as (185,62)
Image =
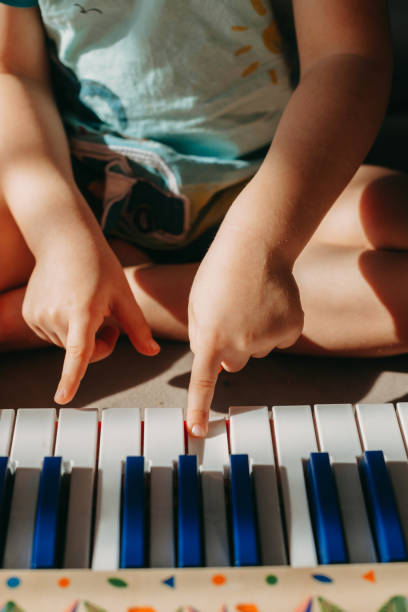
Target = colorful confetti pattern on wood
(327,606)
(339,590)
(11,606)
(398,603)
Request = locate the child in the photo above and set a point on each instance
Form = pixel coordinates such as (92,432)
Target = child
(178,115)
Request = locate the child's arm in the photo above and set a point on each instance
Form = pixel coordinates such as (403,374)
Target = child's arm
(244,301)
(76,281)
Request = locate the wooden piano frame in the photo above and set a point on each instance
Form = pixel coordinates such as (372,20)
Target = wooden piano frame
(336,588)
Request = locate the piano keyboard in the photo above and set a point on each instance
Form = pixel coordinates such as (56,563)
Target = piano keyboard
(310,486)
(308,505)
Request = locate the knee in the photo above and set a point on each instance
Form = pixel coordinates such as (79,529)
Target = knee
(384,211)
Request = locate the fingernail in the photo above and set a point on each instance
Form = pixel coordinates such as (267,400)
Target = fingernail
(153,346)
(198,431)
(60,396)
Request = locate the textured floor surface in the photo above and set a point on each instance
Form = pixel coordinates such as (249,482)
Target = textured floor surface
(29,379)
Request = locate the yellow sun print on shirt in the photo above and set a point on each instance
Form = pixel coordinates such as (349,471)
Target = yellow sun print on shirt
(271,39)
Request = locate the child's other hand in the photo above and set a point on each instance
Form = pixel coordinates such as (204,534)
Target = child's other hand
(244,302)
(75,285)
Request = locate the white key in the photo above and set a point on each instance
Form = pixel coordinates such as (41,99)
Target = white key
(213,460)
(33,440)
(77,438)
(33,437)
(380,430)
(163,443)
(212,451)
(402,414)
(163,436)
(250,434)
(6,429)
(120,438)
(338,436)
(295,440)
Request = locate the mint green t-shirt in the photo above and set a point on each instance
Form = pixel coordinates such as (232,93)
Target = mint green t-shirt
(192,90)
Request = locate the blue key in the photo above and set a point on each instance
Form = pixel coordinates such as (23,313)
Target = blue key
(46,521)
(133,515)
(243,513)
(189,536)
(325,510)
(382,507)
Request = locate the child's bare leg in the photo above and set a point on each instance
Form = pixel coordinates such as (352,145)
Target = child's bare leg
(16,264)
(355,301)
(352,287)
(162,293)
(353,290)
(16,260)
(371,212)
(352,274)
(160,290)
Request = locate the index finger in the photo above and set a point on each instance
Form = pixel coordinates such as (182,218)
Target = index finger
(79,348)
(132,320)
(204,374)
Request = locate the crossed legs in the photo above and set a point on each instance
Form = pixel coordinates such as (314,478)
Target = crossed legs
(351,276)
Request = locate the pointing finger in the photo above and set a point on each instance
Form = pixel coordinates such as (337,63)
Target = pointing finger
(79,348)
(133,323)
(204,374)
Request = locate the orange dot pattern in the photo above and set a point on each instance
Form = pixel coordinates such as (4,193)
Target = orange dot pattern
(272,38)
(243,50)
(219,579)
(274,76)
(250,69)
(258,7)
(64,582)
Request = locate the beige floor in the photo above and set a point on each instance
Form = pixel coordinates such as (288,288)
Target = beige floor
(127,379)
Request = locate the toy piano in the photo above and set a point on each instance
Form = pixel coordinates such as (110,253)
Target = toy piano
(303,510)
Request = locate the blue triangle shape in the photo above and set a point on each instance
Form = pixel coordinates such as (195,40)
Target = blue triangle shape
(171,582)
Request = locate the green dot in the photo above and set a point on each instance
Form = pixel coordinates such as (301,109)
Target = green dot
(117,582)
(271,579)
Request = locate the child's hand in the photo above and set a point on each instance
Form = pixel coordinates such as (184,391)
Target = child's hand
(75,285)
(244,302)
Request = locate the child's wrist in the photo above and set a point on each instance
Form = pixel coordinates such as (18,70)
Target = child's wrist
(254,220)
(66,229)
(68,236)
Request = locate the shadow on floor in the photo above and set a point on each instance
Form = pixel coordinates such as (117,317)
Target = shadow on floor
(287,379)
(29,379)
